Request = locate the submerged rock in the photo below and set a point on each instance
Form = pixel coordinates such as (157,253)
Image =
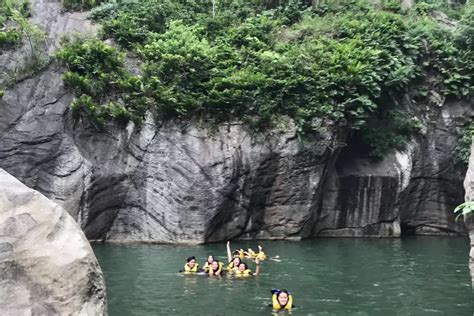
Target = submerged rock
(47,266)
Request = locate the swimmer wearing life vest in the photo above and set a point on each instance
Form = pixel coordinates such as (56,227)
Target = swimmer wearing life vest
(244,270)
(234,265)
(252,254)
(209,261)
(215,268)
(282,300)
(191,266)
(237,267)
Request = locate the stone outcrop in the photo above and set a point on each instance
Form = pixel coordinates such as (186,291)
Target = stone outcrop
(469,220)
(182,182)
(47,266)
(410,192)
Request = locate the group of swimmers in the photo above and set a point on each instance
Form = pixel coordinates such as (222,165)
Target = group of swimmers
(281,299)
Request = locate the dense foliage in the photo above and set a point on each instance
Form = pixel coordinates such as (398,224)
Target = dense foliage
(80,4)
(11,13)
(462,151)
(105,89)
(261,61)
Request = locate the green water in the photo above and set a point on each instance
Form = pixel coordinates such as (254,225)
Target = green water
(415,276)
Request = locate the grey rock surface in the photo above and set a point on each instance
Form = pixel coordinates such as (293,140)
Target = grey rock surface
(409,192)
(50,17)
(182,182)
(47,266)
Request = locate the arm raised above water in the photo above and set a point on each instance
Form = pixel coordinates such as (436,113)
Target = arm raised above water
(229,253)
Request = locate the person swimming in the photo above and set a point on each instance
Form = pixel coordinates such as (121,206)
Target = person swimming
(252,254)
(243,269)
(237,267)
(209,261)
(191,266)
(233,265)
(215,268)
(281,300)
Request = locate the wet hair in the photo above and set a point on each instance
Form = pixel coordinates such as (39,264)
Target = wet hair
(190,258)
(283,291)
(245,265)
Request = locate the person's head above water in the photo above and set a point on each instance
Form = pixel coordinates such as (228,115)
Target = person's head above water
(191,261)
(236,261)
(215,265)
(243,266)
(210,259)
(282,297)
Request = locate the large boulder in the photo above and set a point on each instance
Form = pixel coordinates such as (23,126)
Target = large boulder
(47,266)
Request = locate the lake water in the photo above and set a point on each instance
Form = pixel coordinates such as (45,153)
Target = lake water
(411,276)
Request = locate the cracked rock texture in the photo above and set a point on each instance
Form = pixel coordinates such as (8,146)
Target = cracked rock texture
(410,192)
(179,182)
(47,266)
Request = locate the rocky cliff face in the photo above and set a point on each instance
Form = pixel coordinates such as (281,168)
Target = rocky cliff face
(179,182)
(410,192)
(469,186)
(46,263)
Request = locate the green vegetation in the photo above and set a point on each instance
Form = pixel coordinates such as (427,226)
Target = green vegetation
(464,209)
(105,89)
(12,14)
(80,4)
(16,30)
(462,151)
(260,61)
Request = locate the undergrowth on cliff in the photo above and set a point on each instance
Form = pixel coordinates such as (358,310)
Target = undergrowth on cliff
(80,4)
(104,89)
(12,13)
(258,61)
(16,31)
(462,152)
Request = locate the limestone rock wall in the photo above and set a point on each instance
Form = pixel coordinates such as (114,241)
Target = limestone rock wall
(47,266)
(182,182)
(409,192)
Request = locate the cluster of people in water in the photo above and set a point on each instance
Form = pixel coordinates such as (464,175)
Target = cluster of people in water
(281,299)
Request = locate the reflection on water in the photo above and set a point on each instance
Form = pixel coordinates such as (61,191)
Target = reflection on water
(416,276)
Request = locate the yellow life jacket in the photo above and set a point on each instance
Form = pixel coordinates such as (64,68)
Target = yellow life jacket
(276,304)
(243,273)
(193,269)
(230,267)
(241,254)
(218,269)
(206,267)
(250,253)
(261,256)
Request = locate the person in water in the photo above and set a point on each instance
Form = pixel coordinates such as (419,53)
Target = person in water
(252,254)
(237,267)
(281,300)
(243,269)
(215,268)
(234,264)
(191,266)
(210,260)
